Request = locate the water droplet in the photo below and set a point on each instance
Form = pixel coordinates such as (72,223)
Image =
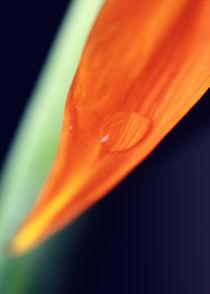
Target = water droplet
(70,127)
(124,130)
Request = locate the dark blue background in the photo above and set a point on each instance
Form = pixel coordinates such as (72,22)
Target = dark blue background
(149,235)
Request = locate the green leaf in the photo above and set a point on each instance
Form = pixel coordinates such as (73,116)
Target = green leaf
(34,146)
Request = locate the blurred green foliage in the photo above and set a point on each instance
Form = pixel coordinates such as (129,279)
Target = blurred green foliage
(34,148)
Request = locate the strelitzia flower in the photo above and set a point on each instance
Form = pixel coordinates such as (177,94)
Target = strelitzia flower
(145,64)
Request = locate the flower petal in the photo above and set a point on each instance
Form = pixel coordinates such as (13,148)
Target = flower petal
(145,64)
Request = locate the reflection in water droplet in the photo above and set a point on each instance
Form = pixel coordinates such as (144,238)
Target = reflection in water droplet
(124,130)
(105,138)
(71,127)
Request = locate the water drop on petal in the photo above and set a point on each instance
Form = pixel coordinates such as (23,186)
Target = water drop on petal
(123,130)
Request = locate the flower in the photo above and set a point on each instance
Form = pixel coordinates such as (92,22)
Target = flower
(145,64)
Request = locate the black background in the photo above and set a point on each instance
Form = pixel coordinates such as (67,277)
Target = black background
(27,31)
(152,233)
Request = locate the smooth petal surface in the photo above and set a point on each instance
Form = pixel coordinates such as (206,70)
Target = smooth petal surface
(145,64)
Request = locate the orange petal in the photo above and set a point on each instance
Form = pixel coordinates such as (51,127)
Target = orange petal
(145,64)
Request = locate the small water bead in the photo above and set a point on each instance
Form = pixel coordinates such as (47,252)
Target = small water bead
(123,130)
